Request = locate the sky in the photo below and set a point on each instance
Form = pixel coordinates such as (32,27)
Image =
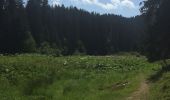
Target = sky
(126,8)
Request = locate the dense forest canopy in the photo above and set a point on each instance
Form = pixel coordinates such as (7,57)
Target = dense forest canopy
(67,30)
(157,14)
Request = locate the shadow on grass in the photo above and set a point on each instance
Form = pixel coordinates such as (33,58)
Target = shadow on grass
(155,77)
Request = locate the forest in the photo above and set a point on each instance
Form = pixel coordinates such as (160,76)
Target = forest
(65,30)
(56,52)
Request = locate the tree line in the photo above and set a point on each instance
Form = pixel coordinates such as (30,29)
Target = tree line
(157,19)
(39,27)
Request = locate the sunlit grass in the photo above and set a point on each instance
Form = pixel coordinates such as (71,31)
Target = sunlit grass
(37,77)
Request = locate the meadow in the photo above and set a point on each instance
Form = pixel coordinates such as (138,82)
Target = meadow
(160,83)
(40,77)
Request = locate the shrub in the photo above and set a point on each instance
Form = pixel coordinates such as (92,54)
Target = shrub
(47,49)
(29,44)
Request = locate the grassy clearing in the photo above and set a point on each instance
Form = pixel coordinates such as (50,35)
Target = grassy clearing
(160,86)
(37,77)
(160,90)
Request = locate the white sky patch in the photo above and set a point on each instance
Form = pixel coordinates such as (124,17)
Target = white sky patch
(113,4)
(127,3)
(116,3)
(55,2)
(107,6)
(126,8)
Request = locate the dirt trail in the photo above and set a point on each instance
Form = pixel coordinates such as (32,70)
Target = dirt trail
(141,93)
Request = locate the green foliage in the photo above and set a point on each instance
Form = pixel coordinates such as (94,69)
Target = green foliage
(47,49)
(160,82)
(160,90)
(29,44)
(81,48)
(37,77)
(157,39)
(69,28)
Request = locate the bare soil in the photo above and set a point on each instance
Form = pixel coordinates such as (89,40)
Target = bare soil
(141,93)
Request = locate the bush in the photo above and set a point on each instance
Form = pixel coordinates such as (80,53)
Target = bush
(29,44)
(47,49)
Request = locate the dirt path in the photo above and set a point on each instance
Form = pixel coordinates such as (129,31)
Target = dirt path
(141,93)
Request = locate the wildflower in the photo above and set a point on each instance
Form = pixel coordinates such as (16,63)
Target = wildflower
(65,63)
(7,70)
